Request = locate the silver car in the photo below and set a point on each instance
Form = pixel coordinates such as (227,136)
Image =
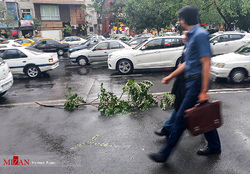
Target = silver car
(97,53)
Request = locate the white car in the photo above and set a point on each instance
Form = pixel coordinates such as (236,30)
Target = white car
(10,43)
(158,52)
(6,78)
(235,66)
(29,61)
(97,53)
(74,40)
(227,42)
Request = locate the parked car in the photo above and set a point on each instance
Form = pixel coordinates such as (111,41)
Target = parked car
(74,40)
(51,45)
(12,43)
(97,53)
(86,45)
(227,42)
(6,78)
(25,60)
(136,41)
(235,66)
(25,41)
(158,52)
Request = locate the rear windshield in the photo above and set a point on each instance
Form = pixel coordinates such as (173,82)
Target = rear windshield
(34,50)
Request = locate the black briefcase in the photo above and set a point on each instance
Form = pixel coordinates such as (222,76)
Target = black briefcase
(204,117)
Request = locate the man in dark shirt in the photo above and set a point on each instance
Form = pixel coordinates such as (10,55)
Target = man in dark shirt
(196,70)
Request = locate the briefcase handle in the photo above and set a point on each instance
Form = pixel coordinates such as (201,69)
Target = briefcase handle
(203,103)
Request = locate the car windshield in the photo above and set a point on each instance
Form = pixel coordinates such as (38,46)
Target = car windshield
(135,48)
(244,50)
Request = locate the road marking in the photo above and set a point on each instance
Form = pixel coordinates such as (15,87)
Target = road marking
(62,101)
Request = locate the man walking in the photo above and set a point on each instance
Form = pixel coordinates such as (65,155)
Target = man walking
(196,70)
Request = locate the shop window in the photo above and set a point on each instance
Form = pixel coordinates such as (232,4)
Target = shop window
(50,12)
(25,12)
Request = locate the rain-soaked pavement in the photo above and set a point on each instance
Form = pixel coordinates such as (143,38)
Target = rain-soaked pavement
(84,142)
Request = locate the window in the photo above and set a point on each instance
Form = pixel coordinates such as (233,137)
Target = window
(115,45)
(26,41)
(25,12)
(91,29)
(153,44)
(222,38)
(102,46)
(175,42)
(50,12)
(11,54)
(236,36)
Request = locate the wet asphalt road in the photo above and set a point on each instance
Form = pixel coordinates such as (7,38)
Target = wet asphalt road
(84,142)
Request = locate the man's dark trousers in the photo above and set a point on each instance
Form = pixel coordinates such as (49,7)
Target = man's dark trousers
(193,88)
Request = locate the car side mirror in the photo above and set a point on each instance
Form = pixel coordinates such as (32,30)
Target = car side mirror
(215,42)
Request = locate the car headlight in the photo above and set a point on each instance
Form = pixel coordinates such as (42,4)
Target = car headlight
(219,65)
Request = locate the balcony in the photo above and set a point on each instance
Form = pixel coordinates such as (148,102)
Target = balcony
(71,2)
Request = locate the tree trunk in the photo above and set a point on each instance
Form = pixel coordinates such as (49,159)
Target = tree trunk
(223,17)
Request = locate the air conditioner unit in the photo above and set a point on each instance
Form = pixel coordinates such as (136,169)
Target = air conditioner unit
(73,26)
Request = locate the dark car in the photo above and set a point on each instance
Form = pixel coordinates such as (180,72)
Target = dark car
(86,45)
(50,45)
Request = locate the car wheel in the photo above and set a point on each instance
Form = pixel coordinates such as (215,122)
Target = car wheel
(238,75)
(124,66)
(32,71)
(82,61)
(60,52)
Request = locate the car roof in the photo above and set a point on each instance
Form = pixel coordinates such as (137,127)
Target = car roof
(227,32)
(167,37)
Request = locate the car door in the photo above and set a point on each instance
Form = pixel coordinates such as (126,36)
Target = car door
(149,55)
(172,50)
(51,46)
(99,52)
(16,60)
(235,41)
(220,44)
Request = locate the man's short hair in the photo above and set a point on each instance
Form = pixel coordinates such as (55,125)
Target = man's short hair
(190,14)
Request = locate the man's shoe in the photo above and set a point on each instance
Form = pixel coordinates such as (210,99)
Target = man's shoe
(162,132)
(157,157)
(208,151)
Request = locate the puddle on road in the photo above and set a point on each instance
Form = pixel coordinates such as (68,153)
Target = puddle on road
(39,86)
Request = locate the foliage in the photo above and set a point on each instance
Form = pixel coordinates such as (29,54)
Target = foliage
(72,100)
(37,24)
(68,29)
(110,104)
(167,100)
(138,94)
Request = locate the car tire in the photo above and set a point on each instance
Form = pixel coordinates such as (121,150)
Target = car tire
(32,71)
(60,52)
(82,61)
(124,66)
(238,75)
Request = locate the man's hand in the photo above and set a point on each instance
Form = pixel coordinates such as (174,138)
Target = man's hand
(203,96)
(166,80)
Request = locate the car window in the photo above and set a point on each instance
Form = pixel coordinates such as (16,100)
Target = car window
(2,53)
(115,45)
(68,39)
(26,41)
(77,39)
(135,42)
(13,53)
(153,44)
(175,42)
(19,41)
(236,36)
(222,38)
(41,44)
(50,42)
(102,46)
(244,50)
